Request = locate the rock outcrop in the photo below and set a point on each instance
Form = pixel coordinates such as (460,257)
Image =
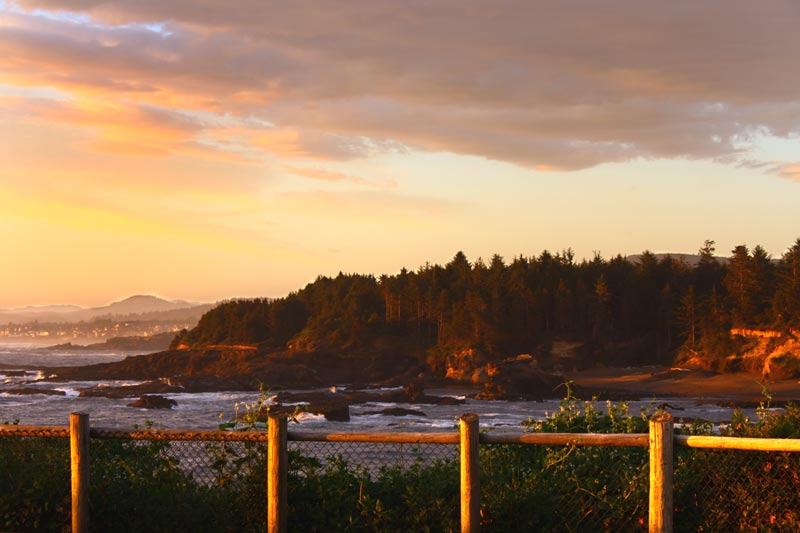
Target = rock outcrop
(773,355)
(153,402)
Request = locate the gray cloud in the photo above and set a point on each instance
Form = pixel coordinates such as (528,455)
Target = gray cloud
(563,85)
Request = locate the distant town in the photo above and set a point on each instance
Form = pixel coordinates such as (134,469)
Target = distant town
(95,330)
(137,316)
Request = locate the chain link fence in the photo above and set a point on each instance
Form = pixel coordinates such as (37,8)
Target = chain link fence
(170,481)
(564,488)
(35,481)
(373,486)
(373,457)
(735,490)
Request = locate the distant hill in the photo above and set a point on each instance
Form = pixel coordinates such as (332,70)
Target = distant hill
(44,309)
(141,307)
(136,305)
(690,259)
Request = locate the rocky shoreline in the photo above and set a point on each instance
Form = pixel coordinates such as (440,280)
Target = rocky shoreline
(333,381)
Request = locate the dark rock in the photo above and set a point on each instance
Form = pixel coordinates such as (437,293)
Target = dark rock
(153,402)
(150,387)
(665,406)
(449,400)
(14,373)
(332,404)
(334,411)
(511,381)
(493,391)
(414,392)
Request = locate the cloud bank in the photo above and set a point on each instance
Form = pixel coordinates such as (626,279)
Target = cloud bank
(544,85)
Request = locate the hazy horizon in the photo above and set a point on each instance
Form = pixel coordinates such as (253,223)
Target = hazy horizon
(206,154)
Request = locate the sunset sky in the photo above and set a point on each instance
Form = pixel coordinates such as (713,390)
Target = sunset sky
(210,149)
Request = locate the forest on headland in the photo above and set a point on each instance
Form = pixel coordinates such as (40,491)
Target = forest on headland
(619,311)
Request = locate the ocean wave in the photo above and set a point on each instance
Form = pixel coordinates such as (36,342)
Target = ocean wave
(68,391)
(306,418)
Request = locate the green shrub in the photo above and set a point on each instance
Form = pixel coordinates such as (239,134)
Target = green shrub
(34,484)
(143,485)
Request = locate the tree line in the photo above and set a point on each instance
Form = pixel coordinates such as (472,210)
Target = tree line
(641,310)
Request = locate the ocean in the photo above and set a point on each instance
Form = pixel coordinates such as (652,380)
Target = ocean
(207,410)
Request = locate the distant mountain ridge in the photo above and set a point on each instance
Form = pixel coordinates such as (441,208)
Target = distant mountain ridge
(690,259)
(141,303)
(143,306)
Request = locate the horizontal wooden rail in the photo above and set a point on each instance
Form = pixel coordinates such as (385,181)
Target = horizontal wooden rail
(546,439)
(395,438)
(738,443)
(568,439)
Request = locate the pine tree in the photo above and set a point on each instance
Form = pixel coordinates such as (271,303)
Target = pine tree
(740,282)
(787,297)
(688,318)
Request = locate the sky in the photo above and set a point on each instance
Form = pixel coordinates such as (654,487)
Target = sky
(209,149)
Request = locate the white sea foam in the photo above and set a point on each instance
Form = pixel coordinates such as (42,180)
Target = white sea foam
(68,391)
(380,405)
(382,389)
(306,418)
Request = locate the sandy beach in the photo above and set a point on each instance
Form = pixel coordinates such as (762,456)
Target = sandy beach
(654,381)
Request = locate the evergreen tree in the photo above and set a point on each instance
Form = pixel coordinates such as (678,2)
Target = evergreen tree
(787,297)
(688,317)
(740,282)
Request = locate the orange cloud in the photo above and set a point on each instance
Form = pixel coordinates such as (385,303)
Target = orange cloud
(790,171)
(529,82)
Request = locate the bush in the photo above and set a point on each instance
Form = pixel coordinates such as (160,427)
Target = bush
(143,485)
(34,484)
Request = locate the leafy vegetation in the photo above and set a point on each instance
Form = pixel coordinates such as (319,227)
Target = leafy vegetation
(149,486)
(622,311)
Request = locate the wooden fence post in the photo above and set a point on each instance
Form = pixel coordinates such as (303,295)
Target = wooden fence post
(79,466)
(470,474)
(277,468)
(661,462)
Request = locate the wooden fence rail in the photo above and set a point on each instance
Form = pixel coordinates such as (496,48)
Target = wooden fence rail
(660,442)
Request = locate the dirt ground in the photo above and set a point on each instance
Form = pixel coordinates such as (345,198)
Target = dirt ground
(664,381)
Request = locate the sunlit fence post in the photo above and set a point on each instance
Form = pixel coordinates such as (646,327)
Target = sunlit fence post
(277,468)
(79,461)
(661,466)
(470,474)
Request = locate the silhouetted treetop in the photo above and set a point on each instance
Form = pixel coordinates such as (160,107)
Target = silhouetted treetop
(626,311)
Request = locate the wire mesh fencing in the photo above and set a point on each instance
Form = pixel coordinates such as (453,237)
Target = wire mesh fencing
(169,485)
(563,488)
(373,486)
(216,481)
(373,457)
(736,490)
(148,482)
(35,482)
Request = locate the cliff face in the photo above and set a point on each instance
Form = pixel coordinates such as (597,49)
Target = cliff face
(772,354)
